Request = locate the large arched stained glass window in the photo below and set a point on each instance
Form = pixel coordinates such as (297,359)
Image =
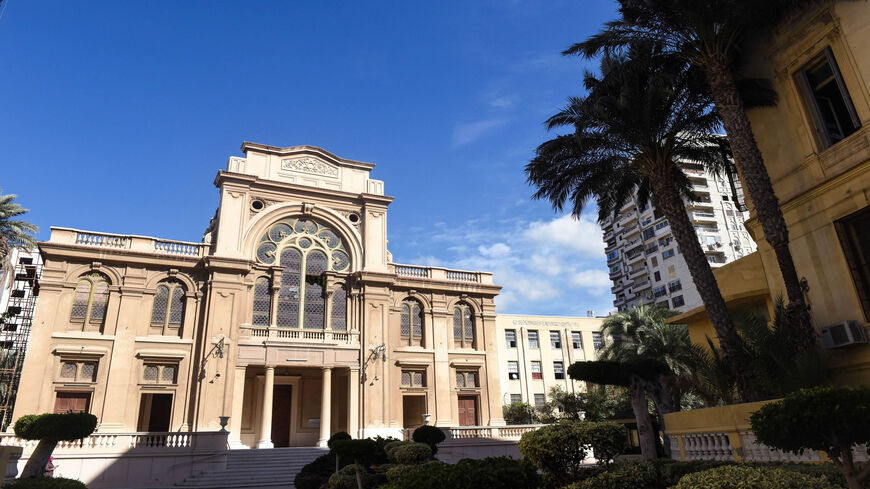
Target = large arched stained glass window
(463,326)
(304,249)
(167,312)
(411,328)
(288,297)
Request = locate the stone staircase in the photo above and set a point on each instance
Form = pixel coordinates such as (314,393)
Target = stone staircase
(257,469)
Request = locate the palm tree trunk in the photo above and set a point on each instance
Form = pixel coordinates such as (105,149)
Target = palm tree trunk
(749,160)
(663,399)
(667,200)
(645,431)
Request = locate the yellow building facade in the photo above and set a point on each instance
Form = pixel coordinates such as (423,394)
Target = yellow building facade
(289,318)
(816,149)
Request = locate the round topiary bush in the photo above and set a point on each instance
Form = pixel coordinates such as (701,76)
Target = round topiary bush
(747,477)
(49,429)
(391,447)
(429,435)
(558,450)
(622,476)
(346,478)
(412,453)
(341,435)
(46,483)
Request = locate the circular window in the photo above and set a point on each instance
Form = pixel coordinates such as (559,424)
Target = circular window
(353,217)
(257,204)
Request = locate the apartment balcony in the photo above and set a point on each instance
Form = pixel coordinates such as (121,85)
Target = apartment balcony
(608,233)
(608,246)
(627,219)
(702,216)
(713,248)
(639,287)
(613,259)
(634,258)
(633,274)
(700,185)
(620,301)
(616,289)
(615,274)
(704,202)
(630,231)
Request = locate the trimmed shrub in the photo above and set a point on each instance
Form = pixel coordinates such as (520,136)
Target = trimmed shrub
(748,477)
(346,478)
(61,427)
(341,435)
(640,475)
(826,470)
(390,447)
(558,450)
(316,474)
(429,435)
(412,453)
(606,439)
(828,419)
(46,483)
(518,413)
(489,473)
(671,471)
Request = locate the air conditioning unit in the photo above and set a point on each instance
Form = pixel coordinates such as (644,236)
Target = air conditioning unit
(512,344)
(557,344)
(843,334)
(514,376)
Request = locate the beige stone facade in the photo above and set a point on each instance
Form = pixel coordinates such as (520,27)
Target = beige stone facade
(289,318)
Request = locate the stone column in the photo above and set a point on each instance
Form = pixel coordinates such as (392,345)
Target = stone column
(353,402)
(236,414)
(266,415)
(325,407)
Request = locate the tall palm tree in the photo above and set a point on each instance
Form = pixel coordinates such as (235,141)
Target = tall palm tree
(640,334)
(641,118)
(14,233)
(710,34)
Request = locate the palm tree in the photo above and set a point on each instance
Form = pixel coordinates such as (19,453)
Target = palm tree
(641,334)
(14,233)
(644,115)
(710,34)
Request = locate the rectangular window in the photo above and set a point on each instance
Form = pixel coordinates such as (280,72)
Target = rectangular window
(533,339)
(466,380)
(660,291)
(675,286)
(678,301)
(613,255)
(513,371)
(828,99)
(661,225)
(78,371)
(854,232)
(536,370)
(577,340)
(516,398)
(654,261)
(154,373)
(510,338)
(597,341)
(413,378)
(667,254)
(540,400)
(648,233)
(657,276)
(559,370)
(555,340)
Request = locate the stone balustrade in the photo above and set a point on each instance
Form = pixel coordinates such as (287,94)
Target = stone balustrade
(509,432)
(138,244)
(299,335)
(439,273)
(122,442)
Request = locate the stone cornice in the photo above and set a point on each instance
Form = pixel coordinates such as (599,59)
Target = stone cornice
(241,180)
(109,255)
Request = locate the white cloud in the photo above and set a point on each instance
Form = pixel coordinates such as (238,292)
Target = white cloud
(594,281)
(582,236)
(495,251)
(504,101)
(468,132)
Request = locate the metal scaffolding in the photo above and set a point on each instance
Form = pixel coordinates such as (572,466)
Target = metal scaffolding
(20,279)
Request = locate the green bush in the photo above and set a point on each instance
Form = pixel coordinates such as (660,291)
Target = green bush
(429,435)
(671,471)
(518,413)
(63,427)
(639,475)
(826,471)
(749,477)
(606,439)
(341,435)
(828,419)
(412,453)
(346,478)
(489,473)
(46,483)
(390,447)
(316,474)
(558,450)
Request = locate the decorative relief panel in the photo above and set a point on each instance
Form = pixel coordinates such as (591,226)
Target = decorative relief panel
(310,165)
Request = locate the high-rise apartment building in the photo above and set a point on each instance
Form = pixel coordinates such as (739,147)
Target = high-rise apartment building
(645,263)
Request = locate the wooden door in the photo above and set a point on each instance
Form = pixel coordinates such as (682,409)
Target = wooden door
(281,405)
(72,402)
(467,411)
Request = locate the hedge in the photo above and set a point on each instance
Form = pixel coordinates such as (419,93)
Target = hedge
(45,483)
(752,477)
(489,473)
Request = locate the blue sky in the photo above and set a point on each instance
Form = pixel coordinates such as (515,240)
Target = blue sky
(116,116)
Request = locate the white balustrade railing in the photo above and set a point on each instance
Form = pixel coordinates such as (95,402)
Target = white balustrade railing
(139,244)
(412,271)
(509,432)
(121,442)
(438,273)
(707,446)
(462,276)
(300,335)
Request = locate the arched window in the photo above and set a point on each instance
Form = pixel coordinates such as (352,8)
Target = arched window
(411,327)
(339,309)
(90,301)
(305,250)
(463,326)
(167,313)
(262,301)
